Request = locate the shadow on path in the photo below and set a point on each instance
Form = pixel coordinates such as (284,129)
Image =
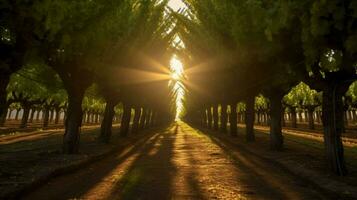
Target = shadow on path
(150,175)
(81,182)
(267,181)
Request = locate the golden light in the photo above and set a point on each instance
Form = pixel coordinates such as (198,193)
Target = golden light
(177,71)
(176,4)
(176,68)
(177,78)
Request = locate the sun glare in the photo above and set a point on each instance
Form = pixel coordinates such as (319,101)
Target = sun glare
(177,71)
(176,4)
(177,75)
(176,68)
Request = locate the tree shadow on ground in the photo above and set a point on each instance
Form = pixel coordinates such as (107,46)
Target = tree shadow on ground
(79,183)
(271,184)
(150,175)
(145,170)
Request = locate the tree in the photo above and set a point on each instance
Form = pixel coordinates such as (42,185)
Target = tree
(329,38)
(305,98)
(35,85)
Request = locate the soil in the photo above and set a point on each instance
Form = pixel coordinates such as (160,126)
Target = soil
(179,162)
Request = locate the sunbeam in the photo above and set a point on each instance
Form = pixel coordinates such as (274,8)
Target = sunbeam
(177,73)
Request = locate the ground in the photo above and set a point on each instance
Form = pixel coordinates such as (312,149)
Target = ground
(179,162)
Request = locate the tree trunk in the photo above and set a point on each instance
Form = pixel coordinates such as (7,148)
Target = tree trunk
(153,118)
(249,119)
(349,112)
(136,120)
(317,115)
(87,117)
(143,118)
(125,120)
(311,118)
(233,120)
(4,81)
(293,117)
(64,115)
(107,122)
(9,114)
(25,117)
(223,117)
(204,118)
(4,115)
(300,117)
(32,115)
(46,116)
(215,117)
(265,121)
(332,115)
(38,115)
(17,114)
(209,117)
(239,118)
(97,118)
(84,117)
(92,118)
(345,120)
(100,117)
(283,117)
(73,121)
(306,116)
(52,115)
(148,118)
(58,114)
(276,137)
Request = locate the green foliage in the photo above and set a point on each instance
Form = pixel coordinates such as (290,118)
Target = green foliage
(241,107)
(352,93)
(302,96)
(37,82)
(327,26)
(92,100)
(261,103)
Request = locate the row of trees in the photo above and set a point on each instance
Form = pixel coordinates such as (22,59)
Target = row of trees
(121,46)
(300,106)
(303,105)
(37,93)
(239,49)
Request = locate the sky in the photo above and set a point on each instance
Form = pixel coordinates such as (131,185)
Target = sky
(176,4)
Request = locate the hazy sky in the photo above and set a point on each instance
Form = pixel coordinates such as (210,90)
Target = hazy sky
(176,4)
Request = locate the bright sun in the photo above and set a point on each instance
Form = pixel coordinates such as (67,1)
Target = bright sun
(177,75)
(176,68)
(176,4)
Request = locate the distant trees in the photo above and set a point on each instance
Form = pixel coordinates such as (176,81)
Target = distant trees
(300,99)
(36,88)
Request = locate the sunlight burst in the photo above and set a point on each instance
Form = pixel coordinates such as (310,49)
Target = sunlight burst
(176,4)
(177,77)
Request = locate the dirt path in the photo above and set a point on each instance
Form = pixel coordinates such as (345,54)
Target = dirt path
(39,134)
(178,163)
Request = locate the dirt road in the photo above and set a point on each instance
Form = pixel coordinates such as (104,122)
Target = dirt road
(178,163)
